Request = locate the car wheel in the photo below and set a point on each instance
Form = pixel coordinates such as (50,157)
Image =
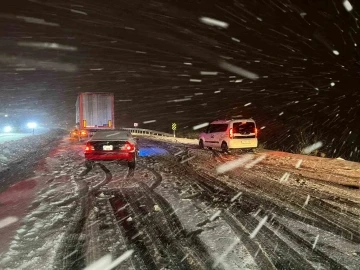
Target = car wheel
(210,148)
(89,164)
(201,144)
(132,164)
(224,147)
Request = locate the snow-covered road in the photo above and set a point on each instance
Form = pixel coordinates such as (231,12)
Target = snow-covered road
(176,212)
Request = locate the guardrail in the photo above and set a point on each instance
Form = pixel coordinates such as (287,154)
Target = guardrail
(142,131)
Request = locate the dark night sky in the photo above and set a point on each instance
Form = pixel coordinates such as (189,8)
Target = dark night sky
(147,52)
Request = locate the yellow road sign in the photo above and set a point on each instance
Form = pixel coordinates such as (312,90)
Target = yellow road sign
(173,126)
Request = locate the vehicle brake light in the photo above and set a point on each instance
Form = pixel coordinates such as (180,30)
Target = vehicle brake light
(256,132)
(83,132)
(89,148)
(128,147)
(231,134)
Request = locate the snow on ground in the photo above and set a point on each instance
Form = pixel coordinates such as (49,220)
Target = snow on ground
(335,170)
(45,205)
(19,148)
(5,137)
(171,139)
(216,235)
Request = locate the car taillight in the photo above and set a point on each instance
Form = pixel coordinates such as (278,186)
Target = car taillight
(231,133)
(89,148)
(83,132)
(256,132)
(128,147)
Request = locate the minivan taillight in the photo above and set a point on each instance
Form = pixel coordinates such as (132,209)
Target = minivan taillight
(89,148)
(231,133)
(256,132)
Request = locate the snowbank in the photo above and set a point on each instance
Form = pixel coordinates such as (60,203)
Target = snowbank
(173,140)
(14,151)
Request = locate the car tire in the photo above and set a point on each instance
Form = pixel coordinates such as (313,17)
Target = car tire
(210,148)
(132,164)
(201,144)
(224,147)
(89,164)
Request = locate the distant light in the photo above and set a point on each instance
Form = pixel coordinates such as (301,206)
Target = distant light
(7,129)
(332,84)
(31,125)
(347,5)
(6,115)
(336,52)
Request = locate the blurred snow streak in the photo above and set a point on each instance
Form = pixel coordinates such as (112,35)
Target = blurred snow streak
(311,148)
(214,22)
(307,200)
(7,221)
(214,216)
(36,21)
(315,241)
(226,252)
(31,63)
(228,166)
(100,263)
(200,126)
(258,227)
(47,45)
(208,73)
(238,70)
(347,5)
(285,177)
(255,161)
(105,262)
(236,196)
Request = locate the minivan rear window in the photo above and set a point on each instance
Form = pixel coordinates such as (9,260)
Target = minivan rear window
(217,128)
(244,128)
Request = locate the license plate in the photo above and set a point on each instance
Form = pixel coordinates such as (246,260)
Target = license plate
(245,142)
(107,147)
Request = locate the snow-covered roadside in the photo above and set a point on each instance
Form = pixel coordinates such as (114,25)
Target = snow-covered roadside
(35,243)
(171,139)
(5,137)
(51,205)
(332,170)
(13,151)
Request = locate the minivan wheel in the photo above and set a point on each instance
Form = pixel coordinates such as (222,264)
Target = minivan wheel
(224,147)
(201,144)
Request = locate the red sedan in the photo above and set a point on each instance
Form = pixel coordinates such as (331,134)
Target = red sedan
(112,145)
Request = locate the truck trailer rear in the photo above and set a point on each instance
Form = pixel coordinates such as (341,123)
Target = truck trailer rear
(94,111)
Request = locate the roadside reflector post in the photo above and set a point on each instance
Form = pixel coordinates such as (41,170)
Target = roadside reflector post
(173,126)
